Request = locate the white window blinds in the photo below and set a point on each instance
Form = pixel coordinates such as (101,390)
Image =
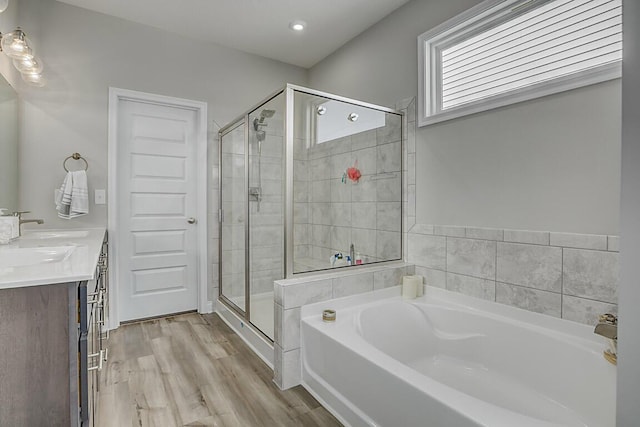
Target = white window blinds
(559,38)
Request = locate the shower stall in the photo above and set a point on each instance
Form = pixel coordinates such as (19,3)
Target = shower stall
(309,181)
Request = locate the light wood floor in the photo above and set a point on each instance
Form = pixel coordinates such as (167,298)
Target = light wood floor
(192,370)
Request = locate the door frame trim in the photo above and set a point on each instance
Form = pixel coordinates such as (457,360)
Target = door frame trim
(202,260)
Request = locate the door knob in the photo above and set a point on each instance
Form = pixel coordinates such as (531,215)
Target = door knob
(191,220)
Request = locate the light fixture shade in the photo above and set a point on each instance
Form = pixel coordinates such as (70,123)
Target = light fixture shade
(34,79)
(29,65)
(3,5)
(16,45)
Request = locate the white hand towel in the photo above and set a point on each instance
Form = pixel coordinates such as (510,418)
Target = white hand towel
(72,199)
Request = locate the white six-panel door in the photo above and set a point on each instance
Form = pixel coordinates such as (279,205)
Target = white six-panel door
(157,209)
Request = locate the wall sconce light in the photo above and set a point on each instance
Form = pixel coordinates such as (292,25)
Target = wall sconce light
(16,45)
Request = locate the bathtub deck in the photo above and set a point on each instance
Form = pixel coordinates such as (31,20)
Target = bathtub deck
(193,370)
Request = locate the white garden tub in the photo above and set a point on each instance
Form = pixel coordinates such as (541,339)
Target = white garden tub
(446,360)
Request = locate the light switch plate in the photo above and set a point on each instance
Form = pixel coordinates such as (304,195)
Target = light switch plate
(100,197)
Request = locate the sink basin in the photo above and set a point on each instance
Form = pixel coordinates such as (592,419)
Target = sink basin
(58,234)
(21,257)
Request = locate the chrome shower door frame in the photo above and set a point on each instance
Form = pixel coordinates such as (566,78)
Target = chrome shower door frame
(289,90)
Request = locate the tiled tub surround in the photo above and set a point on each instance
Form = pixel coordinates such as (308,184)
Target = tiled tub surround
(330,214)
(572,276)
(291,294)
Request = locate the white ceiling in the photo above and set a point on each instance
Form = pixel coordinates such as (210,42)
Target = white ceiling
(256,26)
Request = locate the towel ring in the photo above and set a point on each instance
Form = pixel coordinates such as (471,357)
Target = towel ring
(75,156)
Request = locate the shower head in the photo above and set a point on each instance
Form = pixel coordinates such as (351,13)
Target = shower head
(264,114)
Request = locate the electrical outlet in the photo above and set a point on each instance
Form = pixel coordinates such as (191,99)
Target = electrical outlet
(100,197)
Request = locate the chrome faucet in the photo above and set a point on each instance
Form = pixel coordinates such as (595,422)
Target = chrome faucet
(608,327)
(25,221)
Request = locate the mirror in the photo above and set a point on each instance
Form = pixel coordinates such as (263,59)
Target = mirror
(8,146)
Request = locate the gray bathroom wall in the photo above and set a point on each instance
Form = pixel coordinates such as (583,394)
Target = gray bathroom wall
(84,54)
(629,342)
(551,164)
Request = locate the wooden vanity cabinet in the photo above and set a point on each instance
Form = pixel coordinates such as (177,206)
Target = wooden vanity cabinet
(52,351)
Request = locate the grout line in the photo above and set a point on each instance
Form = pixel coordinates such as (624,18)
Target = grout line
(562,285)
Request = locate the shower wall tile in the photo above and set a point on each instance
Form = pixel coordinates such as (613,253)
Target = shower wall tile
(533,266)
(365,191)
(320,191)
(321,213)
(436,278)
(290,335)
(387,189)
(300,151)
(273,146)
(319,169)
(301,192)
(390,132)
(591,274)
(363,140)
(388,216)
(484,233)
(340,239)
(364,241)
(388,245)
(585,310)
(301,251)
(367,160)
(472,257)
(338,165)
(524,236)
(278,314)
(411,171)
(449,230)
(321,236)
(364,214)
(530,272)
(290,373)
(472,286)
(411,198)
(340,214)
(306,293)
(544,302)
(389,157)
(352,284)
(387,278)
(301,213)
(265,235)
(427,251)
(266,257)
(422,229)
(340,191)
(580,241)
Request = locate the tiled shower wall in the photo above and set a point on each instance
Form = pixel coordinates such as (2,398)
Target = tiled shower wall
(572,276)
(330,214)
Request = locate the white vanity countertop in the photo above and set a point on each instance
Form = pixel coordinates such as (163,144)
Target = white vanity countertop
(75,258)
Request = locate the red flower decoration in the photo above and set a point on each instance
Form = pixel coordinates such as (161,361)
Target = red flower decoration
(353,173)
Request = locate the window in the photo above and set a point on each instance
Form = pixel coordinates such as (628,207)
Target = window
(506,51)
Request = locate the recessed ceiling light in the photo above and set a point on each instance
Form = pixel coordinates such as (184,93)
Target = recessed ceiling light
(297,25)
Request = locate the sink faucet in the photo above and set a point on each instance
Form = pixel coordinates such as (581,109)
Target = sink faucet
(608,327)
(25,221)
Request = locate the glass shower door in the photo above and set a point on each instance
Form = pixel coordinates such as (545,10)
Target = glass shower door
(233,259)
(266,210)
